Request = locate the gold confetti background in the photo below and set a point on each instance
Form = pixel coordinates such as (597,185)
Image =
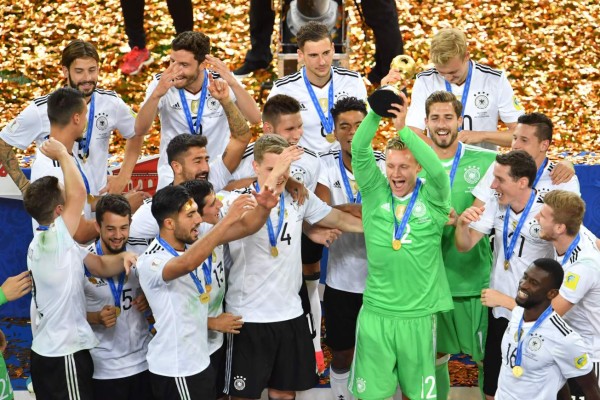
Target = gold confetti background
(550,49)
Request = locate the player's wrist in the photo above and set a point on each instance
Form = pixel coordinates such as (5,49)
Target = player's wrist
(3,299)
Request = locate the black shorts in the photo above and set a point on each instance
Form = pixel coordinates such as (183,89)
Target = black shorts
(276,355)
(341,311)
(130,388)
(195,387)
(311,251)
(62,378)
(492,360)
(217,361)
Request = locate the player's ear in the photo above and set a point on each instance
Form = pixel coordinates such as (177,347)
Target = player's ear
(552,293)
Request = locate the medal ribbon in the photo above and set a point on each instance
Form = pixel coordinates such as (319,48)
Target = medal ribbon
(455,163)
(42,228)
(567,255)
(207,269)
(399,229)
(508,250)
(540,171)
(358,198)
(272,237)
(84,145)
(85,179)
(326,121)
(186,109)
(116,290)
(174,252)
(465,94)
(520,339)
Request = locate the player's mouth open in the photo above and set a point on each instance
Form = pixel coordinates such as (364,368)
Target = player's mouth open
(442,132)
(522,295)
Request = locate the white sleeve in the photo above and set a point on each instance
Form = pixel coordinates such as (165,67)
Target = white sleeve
(486,222)
(316,209)
(416,111)
(144,229)
(483,190)
(274,91)
(578,281)
(27,127)
(150,272)
(324,177)
(361,93)
(509,107)
(125,119)
(219,175)
(571,356)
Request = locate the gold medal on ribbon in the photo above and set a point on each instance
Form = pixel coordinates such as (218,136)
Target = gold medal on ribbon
(517,371)
(204,298)
(194,108)
(396,244)
(355,186)
(208,288)
(117,311)
(274,251)
(330,138)
(506,265)
(84,159)
(90,198)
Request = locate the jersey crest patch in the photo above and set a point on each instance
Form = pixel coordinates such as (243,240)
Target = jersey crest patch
(298,173)
(534,230)
(239,383)
(419,209)
(571,281)
(535,343)
(581,361)
(472,175)
(102,122)
(212,104)
(361,385)
(482,100)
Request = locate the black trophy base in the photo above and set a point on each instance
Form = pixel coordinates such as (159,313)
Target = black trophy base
(382,99)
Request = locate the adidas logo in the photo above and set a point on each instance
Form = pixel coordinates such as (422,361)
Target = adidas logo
(303,107)
(176,106)
(337,184)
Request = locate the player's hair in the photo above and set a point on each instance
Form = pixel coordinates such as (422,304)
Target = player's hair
(167,202)
(567,208)
(446,44)
(348,104)
(395,143)
(543,125)
(312,32)
(78,49)
(41,198)
(268,143)
(278,105)
(442,96)
(199,190)
(113,203)
(553,268)
(521,165)
(196,43)
(182,143)
(63,103)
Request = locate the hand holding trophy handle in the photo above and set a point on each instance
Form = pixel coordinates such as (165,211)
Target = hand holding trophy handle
(402,69)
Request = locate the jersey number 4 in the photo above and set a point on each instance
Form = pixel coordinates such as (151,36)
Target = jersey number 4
(285,237)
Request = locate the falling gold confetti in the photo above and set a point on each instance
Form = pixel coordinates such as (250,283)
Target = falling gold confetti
(549,48)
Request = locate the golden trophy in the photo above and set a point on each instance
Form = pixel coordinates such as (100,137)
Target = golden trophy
(382,99)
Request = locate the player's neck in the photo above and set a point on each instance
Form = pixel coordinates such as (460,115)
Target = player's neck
(178,180)
(169,237)
(446,153)
(65,137)
(562,243)
(318,81)
(519,204)
(533,313)
(347,160)
(539,160)
(196,86)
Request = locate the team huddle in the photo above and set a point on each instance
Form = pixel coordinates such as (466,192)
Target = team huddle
(209,289)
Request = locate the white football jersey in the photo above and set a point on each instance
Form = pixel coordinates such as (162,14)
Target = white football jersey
(55,262)
(529,247)
(305,170)
(122,348)
(263,288)
(173,122)
(347,260)
(581,287)
(180,346)
(346,83)
(484,192)
(551,354)
(491,99)
(45,166)
(110,113)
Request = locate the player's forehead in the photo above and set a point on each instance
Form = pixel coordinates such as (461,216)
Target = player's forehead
(288,120)
(400,157)
(525,130)
(181,56)
(317,47)
(83,63)
(113,219)
(350,117)
(196,152)
(501,171)
(454,64)
(437,109)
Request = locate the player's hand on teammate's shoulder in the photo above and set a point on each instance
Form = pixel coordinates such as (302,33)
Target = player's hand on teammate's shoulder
(562,172)
(471,214)
(239,207)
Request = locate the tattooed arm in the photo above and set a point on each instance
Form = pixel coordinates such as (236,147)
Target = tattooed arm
(9,161)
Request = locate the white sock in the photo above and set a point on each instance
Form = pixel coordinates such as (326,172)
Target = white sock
(315,308)
(339,385)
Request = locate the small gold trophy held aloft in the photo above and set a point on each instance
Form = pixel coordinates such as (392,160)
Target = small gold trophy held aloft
(382,99)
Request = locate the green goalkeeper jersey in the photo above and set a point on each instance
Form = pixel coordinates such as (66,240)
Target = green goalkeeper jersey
(468,272)
(410,282)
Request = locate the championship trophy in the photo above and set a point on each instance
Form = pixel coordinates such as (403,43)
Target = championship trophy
(381,100)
